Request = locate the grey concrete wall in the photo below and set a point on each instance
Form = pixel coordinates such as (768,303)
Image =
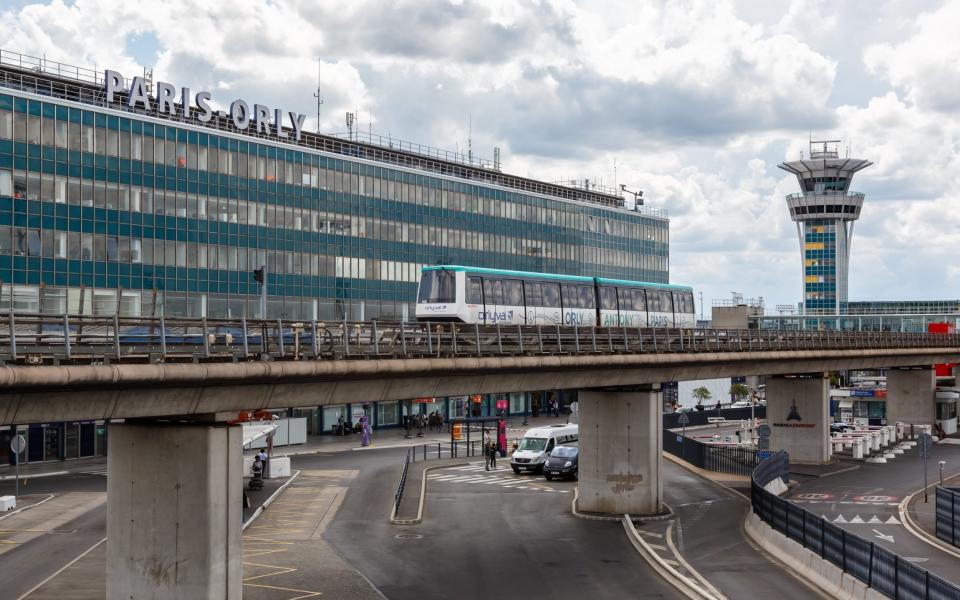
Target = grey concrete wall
(910,396)
(619,463)
(174,502)
(798,415)
(42,394)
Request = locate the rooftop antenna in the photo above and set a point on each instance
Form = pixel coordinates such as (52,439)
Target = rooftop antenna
(470,140)
(316,95)
(614,171)
(349,119)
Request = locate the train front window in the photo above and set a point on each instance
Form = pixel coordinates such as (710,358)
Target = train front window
(437,287)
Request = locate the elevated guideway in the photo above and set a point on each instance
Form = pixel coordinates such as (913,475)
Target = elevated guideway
(178,385)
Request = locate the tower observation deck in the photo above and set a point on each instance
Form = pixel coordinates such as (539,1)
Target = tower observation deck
(824,212)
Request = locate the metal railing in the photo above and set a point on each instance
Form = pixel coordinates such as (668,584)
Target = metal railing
(696,418)
(948,515)
(47,339)
(874,565)
(398,496)
(721,458)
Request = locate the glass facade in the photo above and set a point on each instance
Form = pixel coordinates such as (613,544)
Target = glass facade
(820,265)
(105,212)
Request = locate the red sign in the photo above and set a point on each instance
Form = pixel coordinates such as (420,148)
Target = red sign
(424,401)
(476,399)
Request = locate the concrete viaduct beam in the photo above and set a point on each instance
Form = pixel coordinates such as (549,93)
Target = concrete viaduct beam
(32,394)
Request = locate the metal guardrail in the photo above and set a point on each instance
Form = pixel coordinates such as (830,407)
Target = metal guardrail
(874,565)
(49,339)
(398,496)
(721,458)
(948,515)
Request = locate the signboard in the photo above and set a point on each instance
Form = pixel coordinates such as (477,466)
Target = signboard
(924,442)
(423,401)
(684,419)
(679,439)
(18,444)
(763,431)
(763,443)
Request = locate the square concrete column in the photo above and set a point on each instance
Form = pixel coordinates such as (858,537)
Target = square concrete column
(620,452)
(174,511)
(798,414)
(911,396)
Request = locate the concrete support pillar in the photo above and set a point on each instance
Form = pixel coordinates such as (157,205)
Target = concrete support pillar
(910,396)
(174,510)
(620,452)
(797,410)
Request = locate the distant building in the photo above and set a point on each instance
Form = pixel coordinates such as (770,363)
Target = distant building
(824,212)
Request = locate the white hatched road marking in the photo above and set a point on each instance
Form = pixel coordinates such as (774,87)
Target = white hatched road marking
(501,476)
(96,472)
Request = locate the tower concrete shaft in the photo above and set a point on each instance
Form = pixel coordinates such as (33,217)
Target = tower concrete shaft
(824,212)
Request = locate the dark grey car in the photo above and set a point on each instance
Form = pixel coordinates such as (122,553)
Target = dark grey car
(562,463)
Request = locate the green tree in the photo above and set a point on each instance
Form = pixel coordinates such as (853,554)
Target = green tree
(739,391)
(702,394)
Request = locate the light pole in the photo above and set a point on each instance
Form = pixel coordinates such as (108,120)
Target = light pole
(941,464)
(753,419)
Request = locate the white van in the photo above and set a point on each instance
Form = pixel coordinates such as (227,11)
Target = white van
(537,444)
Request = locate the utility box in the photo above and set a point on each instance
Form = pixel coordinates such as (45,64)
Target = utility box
(7,503)
(278,467)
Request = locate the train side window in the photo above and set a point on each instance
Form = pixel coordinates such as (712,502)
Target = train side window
(474,290)
(587,297)
(497,292)
(666,302)
(487,291)
(571,298)
(608,298)
(551,295)
(639,300)
(533,293)
(653,301)
(512,292)
(624,299)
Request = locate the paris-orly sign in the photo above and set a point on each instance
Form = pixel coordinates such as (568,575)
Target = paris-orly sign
(166,102)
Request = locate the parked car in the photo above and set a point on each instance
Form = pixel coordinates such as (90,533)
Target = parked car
(741,404)
(840,427)
(562,463)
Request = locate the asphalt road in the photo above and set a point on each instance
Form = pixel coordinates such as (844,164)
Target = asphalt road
(710,536)
(864,501)
(508,537)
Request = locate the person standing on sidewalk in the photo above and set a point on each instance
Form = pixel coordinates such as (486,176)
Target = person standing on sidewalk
(492,454)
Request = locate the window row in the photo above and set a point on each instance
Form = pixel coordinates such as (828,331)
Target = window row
(57,127)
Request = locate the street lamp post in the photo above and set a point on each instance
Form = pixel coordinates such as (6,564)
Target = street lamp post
(941,464)
(753,419)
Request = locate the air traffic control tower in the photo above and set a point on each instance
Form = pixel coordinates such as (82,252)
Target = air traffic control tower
(824,212)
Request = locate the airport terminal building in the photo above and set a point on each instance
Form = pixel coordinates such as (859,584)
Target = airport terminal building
(135,197)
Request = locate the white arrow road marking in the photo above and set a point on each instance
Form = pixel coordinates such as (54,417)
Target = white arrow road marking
(888,538)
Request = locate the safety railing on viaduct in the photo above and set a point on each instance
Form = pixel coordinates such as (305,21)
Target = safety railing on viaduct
(43,339)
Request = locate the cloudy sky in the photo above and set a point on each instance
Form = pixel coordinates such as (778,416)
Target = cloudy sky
(696,102)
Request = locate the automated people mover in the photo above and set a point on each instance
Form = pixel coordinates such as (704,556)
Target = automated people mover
(491,296)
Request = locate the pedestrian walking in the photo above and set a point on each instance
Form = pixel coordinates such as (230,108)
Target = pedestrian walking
(492,455)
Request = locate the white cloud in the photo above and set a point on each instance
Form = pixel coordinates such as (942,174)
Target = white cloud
(697,101)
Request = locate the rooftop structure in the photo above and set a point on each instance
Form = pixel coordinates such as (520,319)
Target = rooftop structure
(824,211)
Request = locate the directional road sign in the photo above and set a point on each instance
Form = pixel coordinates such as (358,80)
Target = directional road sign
(924,442)
(684,419)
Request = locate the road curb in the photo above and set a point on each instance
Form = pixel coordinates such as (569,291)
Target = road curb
(34,475)
(573,509)
(683,584)
(269,501)
(423,494)
(28,507)
(919,532)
